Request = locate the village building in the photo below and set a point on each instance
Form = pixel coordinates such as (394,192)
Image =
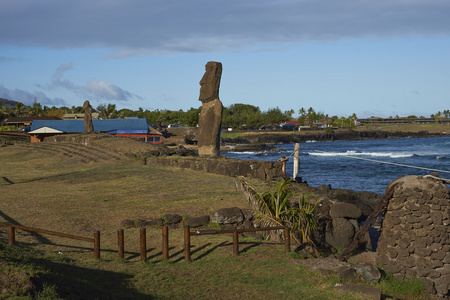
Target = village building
(138,129)
(20,122)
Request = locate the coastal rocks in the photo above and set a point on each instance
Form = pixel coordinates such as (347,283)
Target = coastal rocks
(415,232)
(321,136)
(248,147)
(345,270)
(211,113)
(338,224)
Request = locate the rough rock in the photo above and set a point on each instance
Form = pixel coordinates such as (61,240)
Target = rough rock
(339,233)
(231,215)
(345,210)
(368,271)
(171,219)
(127,223)
(154,222)
(198,221)
(182,151)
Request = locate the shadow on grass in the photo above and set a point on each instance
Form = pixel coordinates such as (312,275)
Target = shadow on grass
(73,282)
(67,280)
(12,221)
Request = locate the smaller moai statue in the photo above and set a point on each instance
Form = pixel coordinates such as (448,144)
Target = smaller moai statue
(88,127)
(210,117)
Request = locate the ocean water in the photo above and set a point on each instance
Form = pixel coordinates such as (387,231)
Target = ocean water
(343,164)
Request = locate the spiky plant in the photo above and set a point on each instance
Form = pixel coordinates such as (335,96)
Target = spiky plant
(273,208)
(305,219)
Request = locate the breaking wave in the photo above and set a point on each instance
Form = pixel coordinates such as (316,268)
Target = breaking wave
(369,154)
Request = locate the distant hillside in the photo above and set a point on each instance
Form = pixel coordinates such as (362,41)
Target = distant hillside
(7,103)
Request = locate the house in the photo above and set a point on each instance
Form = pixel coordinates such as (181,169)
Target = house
(25,121)
(94,115)
(133,128)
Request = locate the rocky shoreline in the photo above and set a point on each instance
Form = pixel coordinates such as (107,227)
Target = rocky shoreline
(322,136)
(265,141)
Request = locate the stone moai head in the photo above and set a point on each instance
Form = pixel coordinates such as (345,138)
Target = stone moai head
(210,82)
(87,105)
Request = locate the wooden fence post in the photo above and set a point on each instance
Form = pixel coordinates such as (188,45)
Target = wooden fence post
(187,242)
(11,235)
(143,238)
(287,240)
(235,243)
(165,242)
(296,161)
(97,244)
(120,244)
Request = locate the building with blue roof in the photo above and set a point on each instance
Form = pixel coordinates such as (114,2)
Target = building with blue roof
(132,128)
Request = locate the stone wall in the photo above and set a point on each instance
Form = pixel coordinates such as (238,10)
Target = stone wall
(415,233)
(264,170)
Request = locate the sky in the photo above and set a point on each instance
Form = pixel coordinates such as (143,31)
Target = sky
(372,58)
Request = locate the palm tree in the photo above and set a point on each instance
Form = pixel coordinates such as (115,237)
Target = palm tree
(108,111)
(19,109)
(3,112)
(36,109)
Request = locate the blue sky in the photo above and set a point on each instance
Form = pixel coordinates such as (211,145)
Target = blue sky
(373,58)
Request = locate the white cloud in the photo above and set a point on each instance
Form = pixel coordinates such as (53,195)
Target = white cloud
(94,89)
(28,98)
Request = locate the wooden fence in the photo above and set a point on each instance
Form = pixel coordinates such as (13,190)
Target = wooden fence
(235,232)
(12,236)
(143,239)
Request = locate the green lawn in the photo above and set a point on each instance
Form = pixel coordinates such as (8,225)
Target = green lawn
(55,188)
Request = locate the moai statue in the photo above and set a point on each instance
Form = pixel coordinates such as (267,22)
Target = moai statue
(88,127)
(211,113)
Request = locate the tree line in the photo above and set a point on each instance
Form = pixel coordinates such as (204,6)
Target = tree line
(235,116)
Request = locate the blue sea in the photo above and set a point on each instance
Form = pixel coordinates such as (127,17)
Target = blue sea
(346,165)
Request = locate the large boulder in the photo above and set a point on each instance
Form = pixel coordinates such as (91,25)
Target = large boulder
(231,215)
(339,233)
(345,210)
(198,221)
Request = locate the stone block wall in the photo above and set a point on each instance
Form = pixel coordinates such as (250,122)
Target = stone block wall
(264,170)
(415,232)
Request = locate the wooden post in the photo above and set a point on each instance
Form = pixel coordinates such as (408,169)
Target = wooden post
(296,160)
(120,244)
(187,243)
(97,244)
(283,160)
(287,240)
(143,238)
(235,243)
(11,235)
(165,242)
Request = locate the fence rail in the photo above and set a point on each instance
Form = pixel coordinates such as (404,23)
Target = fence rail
(143,239)
(12,236)
(235,232)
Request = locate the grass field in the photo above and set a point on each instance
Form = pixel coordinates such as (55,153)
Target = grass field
(76,189)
